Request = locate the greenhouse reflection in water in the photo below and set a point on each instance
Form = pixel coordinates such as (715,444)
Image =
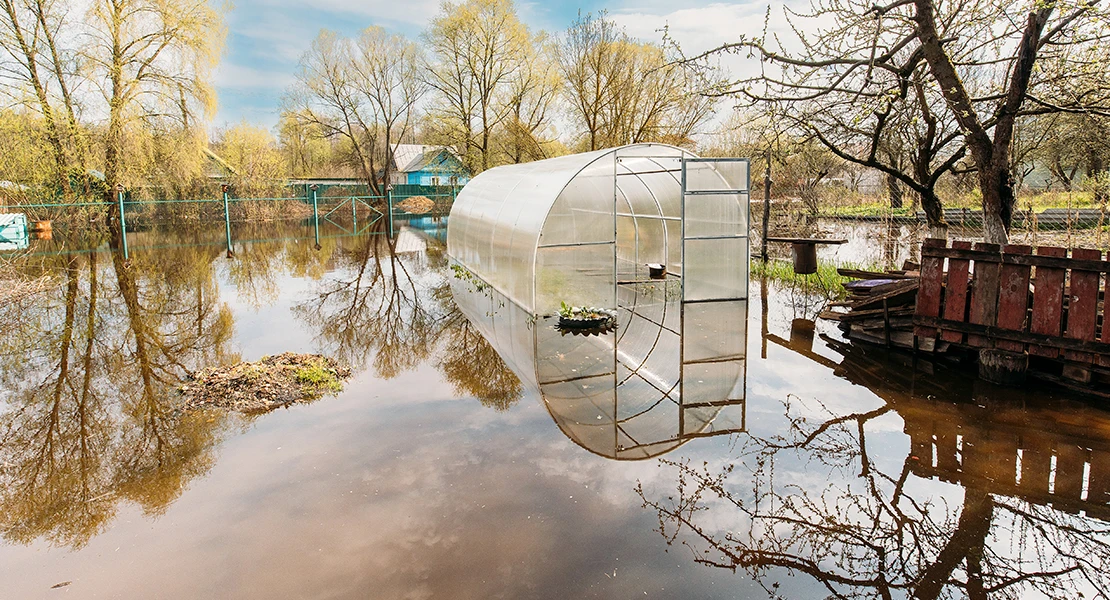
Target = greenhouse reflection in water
(635,392)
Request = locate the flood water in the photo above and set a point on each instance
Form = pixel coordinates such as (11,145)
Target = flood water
(453,467)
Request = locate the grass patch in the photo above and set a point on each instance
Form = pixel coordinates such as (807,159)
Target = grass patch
(319,378)
(825,280)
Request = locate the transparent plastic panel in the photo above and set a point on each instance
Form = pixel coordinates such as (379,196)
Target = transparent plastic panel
(666,189)
(710,215)
(583,212)
(716,269)
(577,275)
(674,247)
(706,175)
(714,330)
(713,382)
(565,357)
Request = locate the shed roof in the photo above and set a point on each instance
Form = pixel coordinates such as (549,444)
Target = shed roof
(409,158)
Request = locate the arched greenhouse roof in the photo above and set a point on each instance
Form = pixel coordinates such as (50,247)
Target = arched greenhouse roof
(511,221)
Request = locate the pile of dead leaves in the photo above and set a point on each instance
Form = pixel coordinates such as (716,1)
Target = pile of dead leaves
(273,382)
(417,205)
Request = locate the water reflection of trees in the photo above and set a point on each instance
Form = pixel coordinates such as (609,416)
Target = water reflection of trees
(396,307)
(88,371)
(88,374)
(825,501)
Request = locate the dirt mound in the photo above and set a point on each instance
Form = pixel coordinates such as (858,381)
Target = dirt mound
(417,205)
(273,382)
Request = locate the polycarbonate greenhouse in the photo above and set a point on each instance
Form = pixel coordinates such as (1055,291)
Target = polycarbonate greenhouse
(570,229)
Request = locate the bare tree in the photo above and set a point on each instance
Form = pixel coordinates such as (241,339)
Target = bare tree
(622,91)
(38,37)
(951,79)
(363,92)
(477,49)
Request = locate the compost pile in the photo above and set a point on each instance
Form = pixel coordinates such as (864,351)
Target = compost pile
(273,382)
(417,205)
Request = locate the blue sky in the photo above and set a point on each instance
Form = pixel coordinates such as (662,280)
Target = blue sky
(267,37)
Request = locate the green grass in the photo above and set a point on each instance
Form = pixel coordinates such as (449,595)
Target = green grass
(826,279)
(869,209)
(317,379)
(879,207)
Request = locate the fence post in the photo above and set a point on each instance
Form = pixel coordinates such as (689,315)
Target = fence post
(766,202)
(389,204)
(315,216)
(227,220)
(354,216)
(122,220)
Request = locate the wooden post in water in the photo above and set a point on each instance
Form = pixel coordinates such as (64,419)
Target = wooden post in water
(122,220)
(766,201)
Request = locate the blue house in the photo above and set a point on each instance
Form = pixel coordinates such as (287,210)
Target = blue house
(417,164)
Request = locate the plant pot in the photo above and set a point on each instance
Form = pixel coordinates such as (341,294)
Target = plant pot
(657,271)
(581,323)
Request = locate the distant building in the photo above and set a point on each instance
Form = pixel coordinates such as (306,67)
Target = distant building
(417,164)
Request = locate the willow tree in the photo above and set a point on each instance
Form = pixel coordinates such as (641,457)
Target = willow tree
(39,38)
(528,133)
(151,61)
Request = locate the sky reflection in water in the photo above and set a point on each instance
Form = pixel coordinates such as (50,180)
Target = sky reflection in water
(440,472)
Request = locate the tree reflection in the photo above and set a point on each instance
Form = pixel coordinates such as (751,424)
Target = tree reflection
(396,307)
(825,501)
(89,375)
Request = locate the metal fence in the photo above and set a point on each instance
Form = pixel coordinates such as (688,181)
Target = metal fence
(354,215)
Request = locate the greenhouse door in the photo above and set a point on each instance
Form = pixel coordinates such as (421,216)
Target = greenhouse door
(714,295)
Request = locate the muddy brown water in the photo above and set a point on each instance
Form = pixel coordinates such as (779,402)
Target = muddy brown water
(439,473)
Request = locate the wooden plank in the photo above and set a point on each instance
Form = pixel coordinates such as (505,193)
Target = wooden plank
(984,294)
(1082,304)
(1019,259)
(903,294)
(928,296)
(1055,341)
(955,293)
(1013,297)
(1048,302)
(1105,360)
(858,274)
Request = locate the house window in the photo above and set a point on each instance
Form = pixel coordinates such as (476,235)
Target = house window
(435,180)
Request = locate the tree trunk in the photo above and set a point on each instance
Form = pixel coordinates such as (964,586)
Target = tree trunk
(934,214)
(1094,171)
(998,204)
(894,191)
